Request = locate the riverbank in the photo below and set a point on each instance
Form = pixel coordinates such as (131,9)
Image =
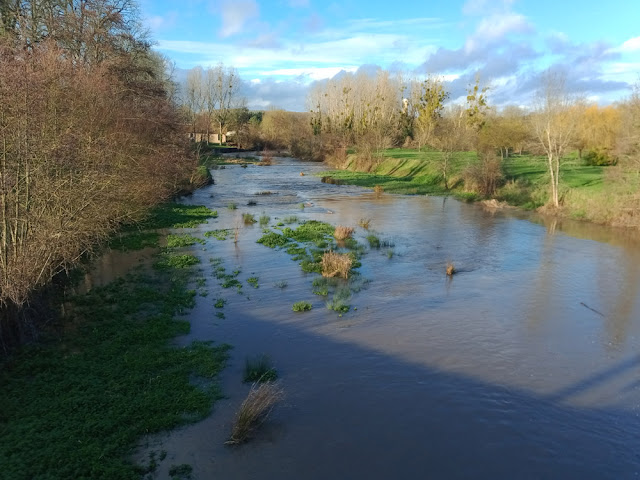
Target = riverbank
(603,195)
(75,404)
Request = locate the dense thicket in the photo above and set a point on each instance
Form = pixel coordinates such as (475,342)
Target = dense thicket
(88,138)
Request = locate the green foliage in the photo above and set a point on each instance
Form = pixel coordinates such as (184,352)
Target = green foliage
(600,158)
(220,302)
(281,284)
(253,281)
(176,215)
(232,206)
(135,240)
(182,240)
(169,261)
(221,234)
(273,240)
(75,408)
(374,242)
(259,369)
(290,219)
(301,306)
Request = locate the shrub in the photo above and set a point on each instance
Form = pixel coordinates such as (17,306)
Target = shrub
(254,410)
(336,264)
(301,306)
(342,233)
(600,158)
(485,175)
(259,369)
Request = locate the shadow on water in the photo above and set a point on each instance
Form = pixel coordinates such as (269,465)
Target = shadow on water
(354,412)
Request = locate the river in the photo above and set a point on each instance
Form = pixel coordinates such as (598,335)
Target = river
(525,364)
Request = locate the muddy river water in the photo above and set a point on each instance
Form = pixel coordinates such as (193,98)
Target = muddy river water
(525,364)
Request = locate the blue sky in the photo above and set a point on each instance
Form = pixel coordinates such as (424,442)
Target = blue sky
(280,47)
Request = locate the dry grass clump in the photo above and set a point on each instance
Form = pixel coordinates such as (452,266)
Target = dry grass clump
(342,232)
(336,264)
(254,410)
(378,190)
(364,223)
(450,269)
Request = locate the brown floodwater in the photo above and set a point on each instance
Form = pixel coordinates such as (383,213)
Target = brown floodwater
(525,364)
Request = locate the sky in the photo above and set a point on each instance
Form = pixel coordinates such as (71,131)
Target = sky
(281,47)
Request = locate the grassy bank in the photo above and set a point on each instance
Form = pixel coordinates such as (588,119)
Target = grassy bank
(74,405)
(600,194)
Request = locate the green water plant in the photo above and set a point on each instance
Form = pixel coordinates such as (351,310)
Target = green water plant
(259,369)
(301,306)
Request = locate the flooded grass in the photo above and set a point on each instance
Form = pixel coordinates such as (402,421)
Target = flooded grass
(176,215)
(374,241)
(171,261)
(281,284)
(253,281)
(259,369)
(248,218)
(342,233)
(232,206)
(220,234)
(74,406)
(264,220)
(182,240)
(301,306)
(254,410)
(364,223)
(134,240)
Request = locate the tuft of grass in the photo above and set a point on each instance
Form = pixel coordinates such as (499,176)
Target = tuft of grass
(220,302)
(342,233)
(264,220)
(301,206)
(253,281)
(301,306)
(232,205)
(254,410)
(290,219)
(451,269)
(259,369)
(220,315)
(336,264)
(378,190)
(182,240)
(374,242)
(365,222)
(248,218)
(389,254)
(281,284)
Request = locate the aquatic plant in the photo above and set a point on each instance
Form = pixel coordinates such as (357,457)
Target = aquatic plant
(253,281)
(182,240)
(301,306)
(259,369)
(374,242)
(378,190)
(451,270)
(232,206)
(365,222)
(342,233)
(281,284)
(336,264)
(248,218)
(254,410)
(264,220)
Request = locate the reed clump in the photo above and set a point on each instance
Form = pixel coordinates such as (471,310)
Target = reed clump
(336,264)
(254,410)
(342,233)
(378,190)
(365,222)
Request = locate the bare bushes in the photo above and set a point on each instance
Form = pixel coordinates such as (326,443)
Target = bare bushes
(484,176)
(336,264)
(82,149)
(254,410)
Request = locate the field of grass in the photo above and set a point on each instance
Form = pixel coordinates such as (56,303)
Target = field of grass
(78,402)
(525,183)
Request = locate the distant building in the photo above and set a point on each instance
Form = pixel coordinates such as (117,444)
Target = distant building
(210,137)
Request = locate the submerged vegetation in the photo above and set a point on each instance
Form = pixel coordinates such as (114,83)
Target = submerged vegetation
(301,306)
(259,369)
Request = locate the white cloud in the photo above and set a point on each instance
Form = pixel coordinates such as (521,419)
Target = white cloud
(631,45)
(496,27)
(160,22)
(313,73)
(235,14)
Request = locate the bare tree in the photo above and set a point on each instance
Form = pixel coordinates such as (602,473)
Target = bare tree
(222,86)
(554,125)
